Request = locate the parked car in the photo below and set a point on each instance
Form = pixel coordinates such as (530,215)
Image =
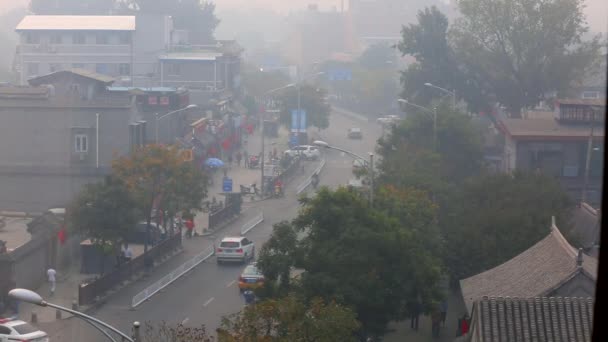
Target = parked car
(388,119)
(251,278)
(237,248)
(308,151)
(355,133)
(16,330)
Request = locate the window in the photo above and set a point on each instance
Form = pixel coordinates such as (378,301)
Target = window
(230,244)
(24,328)
(81,143)
(591,95)
(125,38)
(55,38)
(124,69)
(32,38)
(79,38)
(5,330)
(32,69)
(101,38)
(174,69)
(245,242)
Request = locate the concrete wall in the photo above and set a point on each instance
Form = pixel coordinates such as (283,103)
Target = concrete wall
(152,37)
(31,262)
(195,74)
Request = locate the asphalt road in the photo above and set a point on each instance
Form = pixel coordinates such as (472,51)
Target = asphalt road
(210,291)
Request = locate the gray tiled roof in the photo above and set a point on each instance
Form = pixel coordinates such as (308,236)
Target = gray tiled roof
(535,272)
(504,319)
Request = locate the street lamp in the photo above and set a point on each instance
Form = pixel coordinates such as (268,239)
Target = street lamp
(369,164)
(32,297)
(426,110)
(453,93)
(158,118)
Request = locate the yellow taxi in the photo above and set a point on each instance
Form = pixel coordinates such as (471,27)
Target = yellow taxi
(251,278)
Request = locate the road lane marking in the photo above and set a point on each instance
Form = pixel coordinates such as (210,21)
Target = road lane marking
(231,283)
(185,321)
(208,301)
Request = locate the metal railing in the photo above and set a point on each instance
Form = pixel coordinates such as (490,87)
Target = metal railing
(252,223)
(218,217)
(171,277)
(308,181)
(87,293)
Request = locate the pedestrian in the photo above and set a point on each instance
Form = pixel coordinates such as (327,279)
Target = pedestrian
(230,160)
(239,156)
(246,156)
(443,308)
(51,274)
(128,253)
(189,227)
(435,322)
(416,309)
(464,325)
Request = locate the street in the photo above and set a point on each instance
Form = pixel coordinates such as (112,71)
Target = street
(210,291)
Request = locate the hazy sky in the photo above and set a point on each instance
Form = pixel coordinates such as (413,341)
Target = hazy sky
(596,11)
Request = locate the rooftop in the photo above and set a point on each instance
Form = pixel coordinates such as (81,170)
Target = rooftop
(532,319)
(535,272)
(545,128)
(47,79)
(77,22)
(582,102)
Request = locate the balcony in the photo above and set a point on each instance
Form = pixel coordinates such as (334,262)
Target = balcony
(74,49)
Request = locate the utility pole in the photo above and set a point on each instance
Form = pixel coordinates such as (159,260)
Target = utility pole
(262,188)
(587,165)
(371,180)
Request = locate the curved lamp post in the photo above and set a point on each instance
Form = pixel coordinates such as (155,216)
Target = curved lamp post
(452,93)
(428,111)
(32,297)
(158,118)
(369,164)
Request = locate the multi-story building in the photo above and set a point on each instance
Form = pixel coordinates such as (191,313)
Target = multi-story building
(568,146)
(49,43)
(59,133)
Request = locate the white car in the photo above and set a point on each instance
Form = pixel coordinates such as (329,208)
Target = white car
(308,151)
(16,330)
(388,120)
(237,248)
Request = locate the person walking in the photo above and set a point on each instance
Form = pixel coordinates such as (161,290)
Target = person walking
(239,156)
(443,309)
(51,274)
(435,322)
(189,227)
(416,310)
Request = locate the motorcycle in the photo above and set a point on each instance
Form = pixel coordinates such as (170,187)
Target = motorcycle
(314,180)
(254,161)
(249,190)
(278,191)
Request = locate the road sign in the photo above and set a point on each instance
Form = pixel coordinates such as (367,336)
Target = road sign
(298,125)
(293,140)
(227,185)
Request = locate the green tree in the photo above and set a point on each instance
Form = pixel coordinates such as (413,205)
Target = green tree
(312,100)
(105,213)
(156,173)
(75,7)
(495,217)
(358,256)
(257,82)
(289,319)
(427,42)
(521,49)
(378,56)
(278,256)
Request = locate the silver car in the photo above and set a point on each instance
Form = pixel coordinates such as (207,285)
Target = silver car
(16,330)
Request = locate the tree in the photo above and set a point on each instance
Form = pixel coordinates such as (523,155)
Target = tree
(290,319)
(104,212)
(163,332)
(378,56)
(258,82)
(278,255)
(343,235)
(522,49)
(411,158)
(312,100)
(197,16)
(495,217)
(427,42)
(156,173)
(75,7)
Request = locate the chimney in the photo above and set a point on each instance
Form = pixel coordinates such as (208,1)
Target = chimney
(579,258)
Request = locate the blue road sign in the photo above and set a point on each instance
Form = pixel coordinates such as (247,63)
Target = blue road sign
(227,185)
(295,127)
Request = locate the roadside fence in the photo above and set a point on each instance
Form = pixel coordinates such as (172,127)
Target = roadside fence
(252,223)
(307,182)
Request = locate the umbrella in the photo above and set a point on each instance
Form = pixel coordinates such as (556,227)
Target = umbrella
(214,162)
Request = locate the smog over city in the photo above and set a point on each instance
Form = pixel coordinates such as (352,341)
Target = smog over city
(301,170)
